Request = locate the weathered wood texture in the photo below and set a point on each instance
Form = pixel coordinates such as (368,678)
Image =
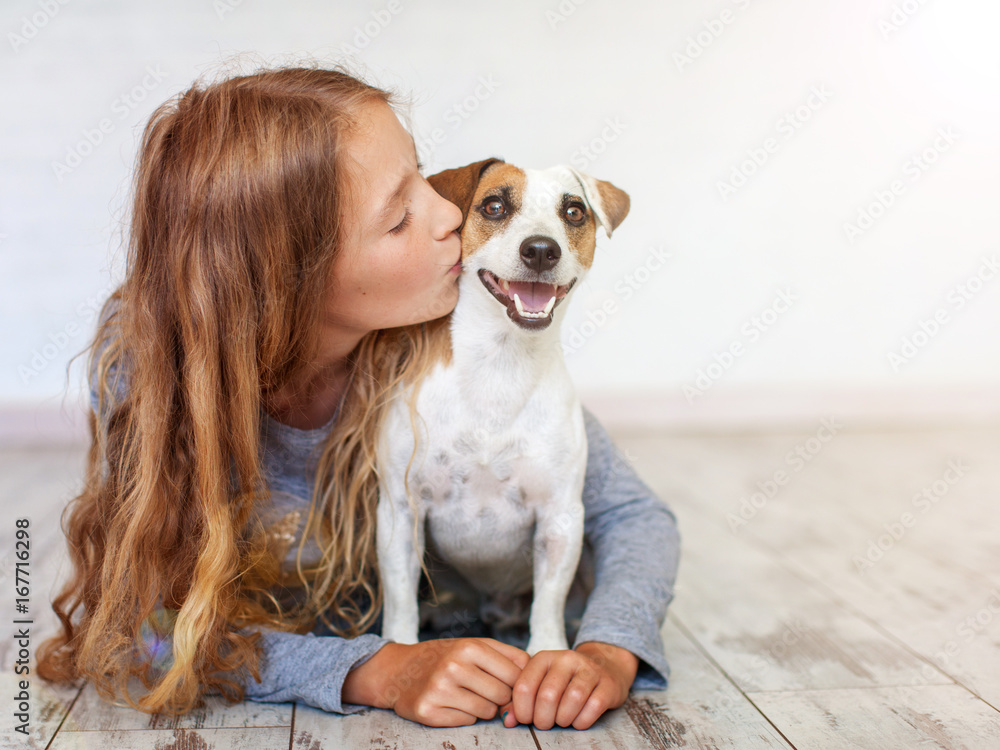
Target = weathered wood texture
(854,601)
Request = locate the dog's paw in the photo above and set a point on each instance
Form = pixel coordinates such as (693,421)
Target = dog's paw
(401,635)
(552,642)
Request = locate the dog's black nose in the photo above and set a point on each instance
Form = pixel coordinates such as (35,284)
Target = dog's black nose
(540,253)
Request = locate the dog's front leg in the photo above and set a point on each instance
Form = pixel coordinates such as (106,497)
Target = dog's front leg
(399,555)
(557,545)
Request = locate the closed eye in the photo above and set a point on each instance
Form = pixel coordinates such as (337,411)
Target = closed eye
(403,224)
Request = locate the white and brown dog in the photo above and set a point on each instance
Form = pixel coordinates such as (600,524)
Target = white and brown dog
(497,477)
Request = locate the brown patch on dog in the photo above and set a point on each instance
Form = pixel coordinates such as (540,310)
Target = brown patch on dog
(615,203)
(502,180)
(582,239)
(459,185)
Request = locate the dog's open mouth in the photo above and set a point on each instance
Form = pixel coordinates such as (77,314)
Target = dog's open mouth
(529,303)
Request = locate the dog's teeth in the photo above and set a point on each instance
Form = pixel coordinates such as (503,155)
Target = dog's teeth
(526,314)
(505,285)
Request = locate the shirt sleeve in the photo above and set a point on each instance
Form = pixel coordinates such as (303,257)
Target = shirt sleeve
(636,548)
(308,668)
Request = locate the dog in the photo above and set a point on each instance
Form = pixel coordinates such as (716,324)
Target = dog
(497,479)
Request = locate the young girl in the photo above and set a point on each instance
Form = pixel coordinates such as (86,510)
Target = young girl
(287,264)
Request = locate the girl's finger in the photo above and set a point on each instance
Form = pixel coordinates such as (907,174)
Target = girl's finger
(469,702)
(550,693)
(513,653)
(482,653)
(506,713)
(486,685)
(595,706)
(575,697)
(446,717)
(526,688)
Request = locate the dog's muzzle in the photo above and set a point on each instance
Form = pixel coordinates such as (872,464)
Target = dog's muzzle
(529,303)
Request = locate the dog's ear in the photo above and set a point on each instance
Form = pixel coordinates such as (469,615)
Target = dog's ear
(610,204)
(459,185)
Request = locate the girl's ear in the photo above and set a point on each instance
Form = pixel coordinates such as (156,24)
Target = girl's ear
(459,185)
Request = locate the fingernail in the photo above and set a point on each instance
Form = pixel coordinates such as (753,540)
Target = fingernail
(504,717)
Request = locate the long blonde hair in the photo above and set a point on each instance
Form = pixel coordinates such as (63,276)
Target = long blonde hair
(235,225)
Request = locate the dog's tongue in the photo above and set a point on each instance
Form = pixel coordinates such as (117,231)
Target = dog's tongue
(534,295)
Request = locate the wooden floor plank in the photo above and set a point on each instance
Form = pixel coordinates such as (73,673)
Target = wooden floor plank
(899,718)
(380,729)
(47,710)
(831,656)
(41,502)
(935,610)
(700,709)
(258,738)
(92,713)
(934,585)
(772,631)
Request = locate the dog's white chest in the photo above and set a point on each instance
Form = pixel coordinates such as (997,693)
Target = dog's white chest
(481,484)
(481,513)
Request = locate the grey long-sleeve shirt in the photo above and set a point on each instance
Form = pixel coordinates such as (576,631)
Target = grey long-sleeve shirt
(631,541)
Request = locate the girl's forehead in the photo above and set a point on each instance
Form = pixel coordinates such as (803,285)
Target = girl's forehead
(377,154)
(379,144)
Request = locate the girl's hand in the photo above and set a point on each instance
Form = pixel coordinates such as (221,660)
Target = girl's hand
(447,682)
(571,687)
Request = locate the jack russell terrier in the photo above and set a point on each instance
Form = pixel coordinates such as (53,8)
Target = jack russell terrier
(497,479)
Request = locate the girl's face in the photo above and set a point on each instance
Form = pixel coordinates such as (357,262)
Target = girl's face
(399,263)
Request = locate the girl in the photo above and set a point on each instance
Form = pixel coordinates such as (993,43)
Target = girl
(286,266)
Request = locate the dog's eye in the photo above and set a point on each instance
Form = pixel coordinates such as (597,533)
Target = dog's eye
(575,214)
(493,208)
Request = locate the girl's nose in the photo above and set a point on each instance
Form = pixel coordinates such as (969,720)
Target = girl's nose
(450,217)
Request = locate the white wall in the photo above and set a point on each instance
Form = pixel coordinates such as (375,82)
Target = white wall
(669,99)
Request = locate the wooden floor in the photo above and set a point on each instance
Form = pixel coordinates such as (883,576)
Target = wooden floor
(839,613)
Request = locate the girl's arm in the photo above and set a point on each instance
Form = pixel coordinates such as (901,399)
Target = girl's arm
(636,552)
(447,682)
(308,668)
